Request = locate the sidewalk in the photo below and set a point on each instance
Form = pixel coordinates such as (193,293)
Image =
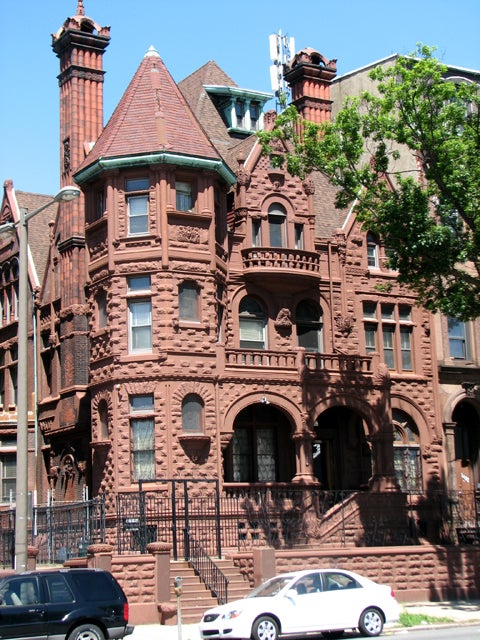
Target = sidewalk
(461,612)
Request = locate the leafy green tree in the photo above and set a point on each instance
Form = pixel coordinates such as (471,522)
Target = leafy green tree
(408,155)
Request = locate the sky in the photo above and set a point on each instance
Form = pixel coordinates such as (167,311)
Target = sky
(189,33)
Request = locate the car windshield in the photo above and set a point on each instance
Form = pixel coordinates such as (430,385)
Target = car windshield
(270,588)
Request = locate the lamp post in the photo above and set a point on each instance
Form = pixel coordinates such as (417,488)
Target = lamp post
(21,493)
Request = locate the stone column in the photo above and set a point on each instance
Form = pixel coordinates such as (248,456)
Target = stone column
(263,564)
(32,553)
(449,429)
(161,552)
(99,556)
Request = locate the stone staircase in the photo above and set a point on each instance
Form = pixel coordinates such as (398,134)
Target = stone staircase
(196,598)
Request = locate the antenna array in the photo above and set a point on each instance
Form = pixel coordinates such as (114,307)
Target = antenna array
(282,50)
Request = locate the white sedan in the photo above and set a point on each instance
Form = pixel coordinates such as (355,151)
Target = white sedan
(326,601)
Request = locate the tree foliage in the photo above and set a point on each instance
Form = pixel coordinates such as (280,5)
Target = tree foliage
(408,155)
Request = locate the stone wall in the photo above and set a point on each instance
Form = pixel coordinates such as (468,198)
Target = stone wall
(416,573)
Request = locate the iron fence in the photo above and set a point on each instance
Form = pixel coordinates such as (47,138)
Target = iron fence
(243,517)
(58,531)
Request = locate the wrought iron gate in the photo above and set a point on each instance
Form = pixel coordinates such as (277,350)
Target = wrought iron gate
(176,512)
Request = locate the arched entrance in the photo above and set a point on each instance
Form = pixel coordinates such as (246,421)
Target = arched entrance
(341,454)
(467,443)
(261,449)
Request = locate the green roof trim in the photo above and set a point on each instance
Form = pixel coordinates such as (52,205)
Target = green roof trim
(162,157)
(216,89)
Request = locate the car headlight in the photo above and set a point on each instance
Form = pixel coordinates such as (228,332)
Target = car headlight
(232,614)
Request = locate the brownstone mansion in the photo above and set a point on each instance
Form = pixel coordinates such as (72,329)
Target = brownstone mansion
(221,359)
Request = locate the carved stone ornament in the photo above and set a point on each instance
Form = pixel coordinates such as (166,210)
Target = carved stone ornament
(308,187)
(243,177)
(381,377)
(188,234)
(283,319)
(344,324)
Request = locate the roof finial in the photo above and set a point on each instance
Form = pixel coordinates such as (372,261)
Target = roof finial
(80,8)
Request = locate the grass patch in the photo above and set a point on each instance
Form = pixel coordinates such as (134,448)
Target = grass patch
(415,619)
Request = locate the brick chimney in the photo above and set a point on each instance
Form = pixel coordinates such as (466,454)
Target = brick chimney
(79,44)
(309,76)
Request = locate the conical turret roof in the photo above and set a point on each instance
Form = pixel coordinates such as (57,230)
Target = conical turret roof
(151,117)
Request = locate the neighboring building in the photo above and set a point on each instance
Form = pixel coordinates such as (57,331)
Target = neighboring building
(204,316)
(457,344)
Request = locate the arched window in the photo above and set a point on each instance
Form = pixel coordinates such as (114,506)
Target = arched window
(309,326)
(406,452)
(277,218)
(252,322)
(372,250)
(102,421)
(101,300)
(189,301)
(192,414)
(261,448)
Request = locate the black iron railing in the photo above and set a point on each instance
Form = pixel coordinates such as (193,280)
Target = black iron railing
(243,517)
(208,572)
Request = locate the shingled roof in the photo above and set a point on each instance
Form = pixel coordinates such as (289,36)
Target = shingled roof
(202,104)
(152,116)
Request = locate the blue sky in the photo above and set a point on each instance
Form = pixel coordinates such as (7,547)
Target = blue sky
(187,34)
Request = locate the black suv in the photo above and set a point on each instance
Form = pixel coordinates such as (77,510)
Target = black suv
(76,604)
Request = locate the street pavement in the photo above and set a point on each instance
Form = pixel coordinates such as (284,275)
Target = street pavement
(460,612)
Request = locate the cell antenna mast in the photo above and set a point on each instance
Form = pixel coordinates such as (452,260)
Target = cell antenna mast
(282,50)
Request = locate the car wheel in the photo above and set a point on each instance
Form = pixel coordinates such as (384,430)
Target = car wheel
(333,635)
(265,628)
(86,632)
(371,622)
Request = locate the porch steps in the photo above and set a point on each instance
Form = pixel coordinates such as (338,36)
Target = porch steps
(196,598)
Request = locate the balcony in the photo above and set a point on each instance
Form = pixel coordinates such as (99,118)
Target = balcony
(280,268)
(295,363)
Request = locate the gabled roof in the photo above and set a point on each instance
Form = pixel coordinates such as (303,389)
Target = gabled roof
(151,118)
(38,226)
(193,89)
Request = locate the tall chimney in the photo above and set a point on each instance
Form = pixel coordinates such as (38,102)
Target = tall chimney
(309,76)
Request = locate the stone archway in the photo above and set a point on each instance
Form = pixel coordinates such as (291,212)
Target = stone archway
(261,448)
(342,456)
(466,446)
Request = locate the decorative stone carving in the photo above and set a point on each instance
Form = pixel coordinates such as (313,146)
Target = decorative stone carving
(283,319)
(344,324)
(188,234)
(308,187)
(381,377)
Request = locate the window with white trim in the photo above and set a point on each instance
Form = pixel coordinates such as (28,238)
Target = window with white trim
(137,205)
(142,427)
(388,330)
(8,468)
(184,196)
(253,321)
(309,326)
(139,314)
(277,223)
(458,339)
(372,250)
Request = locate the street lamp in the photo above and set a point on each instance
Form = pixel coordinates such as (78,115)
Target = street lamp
(21,499)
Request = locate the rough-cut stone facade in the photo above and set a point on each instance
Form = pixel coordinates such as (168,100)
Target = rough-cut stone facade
(295,358)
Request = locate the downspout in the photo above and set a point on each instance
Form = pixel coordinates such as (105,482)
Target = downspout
(330,286)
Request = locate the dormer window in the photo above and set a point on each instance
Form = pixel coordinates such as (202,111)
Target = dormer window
(240,109)
(240,113)
(254,115)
